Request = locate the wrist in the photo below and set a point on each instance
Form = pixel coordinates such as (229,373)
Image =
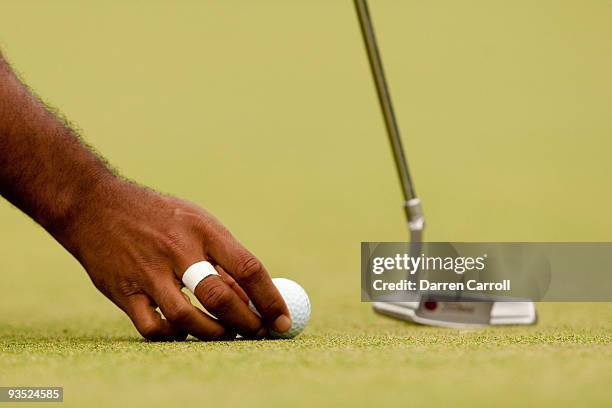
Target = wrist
(80,206)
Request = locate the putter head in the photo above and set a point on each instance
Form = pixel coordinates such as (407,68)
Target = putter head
(460,314)
(439,313)
(447,313)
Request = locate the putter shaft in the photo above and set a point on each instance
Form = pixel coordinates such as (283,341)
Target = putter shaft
(384,98)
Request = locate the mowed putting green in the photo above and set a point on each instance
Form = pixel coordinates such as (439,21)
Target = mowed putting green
(264,113)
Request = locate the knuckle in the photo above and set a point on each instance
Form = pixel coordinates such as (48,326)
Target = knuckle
(173,241)
(249,269)
(178,313)
(128,288)
(215,294)
(200,224)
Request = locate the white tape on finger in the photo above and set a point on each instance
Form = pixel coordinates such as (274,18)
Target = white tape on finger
(196,273)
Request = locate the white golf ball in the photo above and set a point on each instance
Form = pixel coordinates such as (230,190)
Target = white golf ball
(298,303)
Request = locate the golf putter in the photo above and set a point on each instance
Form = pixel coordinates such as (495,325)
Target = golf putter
(423,310)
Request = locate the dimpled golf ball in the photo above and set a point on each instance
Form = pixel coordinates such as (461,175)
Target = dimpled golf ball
(298,303)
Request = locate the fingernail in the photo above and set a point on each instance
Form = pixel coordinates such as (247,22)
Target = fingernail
(263,332)
(282,324)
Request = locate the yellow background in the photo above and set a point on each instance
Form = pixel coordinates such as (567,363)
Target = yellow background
(264,112)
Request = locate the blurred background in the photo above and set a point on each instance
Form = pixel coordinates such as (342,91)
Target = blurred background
(265,113)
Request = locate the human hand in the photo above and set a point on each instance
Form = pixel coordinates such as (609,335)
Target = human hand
(136,244)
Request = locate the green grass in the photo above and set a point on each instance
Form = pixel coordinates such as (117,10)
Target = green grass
(264,113)
(361,360)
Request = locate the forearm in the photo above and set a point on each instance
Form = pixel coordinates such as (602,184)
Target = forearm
(45,169)
(134,243)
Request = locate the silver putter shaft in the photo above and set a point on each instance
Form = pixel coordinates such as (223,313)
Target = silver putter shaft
(421,310)
(412,204)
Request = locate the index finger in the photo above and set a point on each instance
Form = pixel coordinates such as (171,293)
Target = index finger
(251,275)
